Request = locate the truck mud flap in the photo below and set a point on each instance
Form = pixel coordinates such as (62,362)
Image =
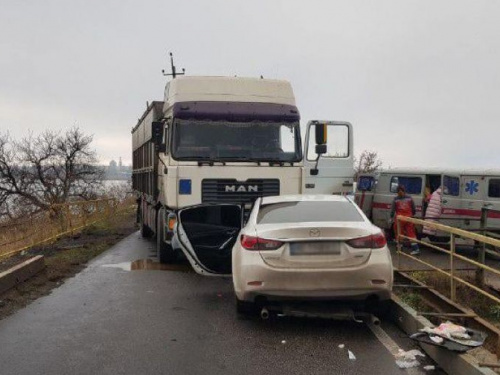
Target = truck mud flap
(207,234)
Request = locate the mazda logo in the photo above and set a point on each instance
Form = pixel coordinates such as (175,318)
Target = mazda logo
(314,233)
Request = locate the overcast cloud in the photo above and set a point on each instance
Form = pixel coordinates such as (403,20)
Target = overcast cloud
(419,80)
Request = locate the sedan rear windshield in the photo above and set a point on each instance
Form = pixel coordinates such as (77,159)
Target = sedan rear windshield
(308,211)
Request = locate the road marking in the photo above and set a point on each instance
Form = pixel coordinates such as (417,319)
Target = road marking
(389,344)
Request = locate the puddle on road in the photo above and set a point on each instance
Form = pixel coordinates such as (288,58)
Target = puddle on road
(149,264)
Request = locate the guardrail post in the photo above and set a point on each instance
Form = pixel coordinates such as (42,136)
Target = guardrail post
(481,255)
(398,242)
(453,286)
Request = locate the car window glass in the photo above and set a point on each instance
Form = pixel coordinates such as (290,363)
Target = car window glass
(451,186)
(413,185)
(308,211)
(494,188)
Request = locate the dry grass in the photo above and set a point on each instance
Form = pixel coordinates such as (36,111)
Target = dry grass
(59,220)
(467,297)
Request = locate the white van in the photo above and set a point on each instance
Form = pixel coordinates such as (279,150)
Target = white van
(465,193)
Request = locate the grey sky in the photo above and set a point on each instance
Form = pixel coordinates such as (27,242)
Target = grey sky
(419,80)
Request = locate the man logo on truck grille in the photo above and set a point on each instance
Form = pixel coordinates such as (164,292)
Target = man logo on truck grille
(241,189)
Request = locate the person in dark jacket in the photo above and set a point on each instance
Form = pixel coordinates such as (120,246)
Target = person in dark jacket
(403,205)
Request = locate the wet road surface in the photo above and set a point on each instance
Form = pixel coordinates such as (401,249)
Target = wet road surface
(111,319)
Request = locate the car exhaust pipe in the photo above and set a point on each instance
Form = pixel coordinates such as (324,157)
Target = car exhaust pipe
(374,320)
(264,314)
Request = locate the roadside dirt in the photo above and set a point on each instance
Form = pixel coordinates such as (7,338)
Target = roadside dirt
(63,258)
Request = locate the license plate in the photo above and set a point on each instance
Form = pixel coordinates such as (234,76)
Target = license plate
(315,248)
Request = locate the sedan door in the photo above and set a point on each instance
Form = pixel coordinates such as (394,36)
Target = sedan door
(207,233)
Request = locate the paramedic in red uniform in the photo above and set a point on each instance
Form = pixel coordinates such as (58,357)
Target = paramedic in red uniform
(403,205)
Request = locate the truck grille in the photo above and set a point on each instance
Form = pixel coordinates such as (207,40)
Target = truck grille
(233,191)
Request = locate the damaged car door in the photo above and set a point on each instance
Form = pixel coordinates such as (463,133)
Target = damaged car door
(207,234)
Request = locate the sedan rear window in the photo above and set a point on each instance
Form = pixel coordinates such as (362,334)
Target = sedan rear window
(308,211)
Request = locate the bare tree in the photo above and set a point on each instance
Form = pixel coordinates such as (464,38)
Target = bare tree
(368,162)
(39,171)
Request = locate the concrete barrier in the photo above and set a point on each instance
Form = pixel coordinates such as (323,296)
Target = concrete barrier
(21,272)
(407,319)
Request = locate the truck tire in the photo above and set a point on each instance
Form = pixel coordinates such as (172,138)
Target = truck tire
(164,251)
(146,232)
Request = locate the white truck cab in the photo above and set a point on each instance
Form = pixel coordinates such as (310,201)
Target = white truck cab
(212,147)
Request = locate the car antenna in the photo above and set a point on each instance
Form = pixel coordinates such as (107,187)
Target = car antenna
(172,66)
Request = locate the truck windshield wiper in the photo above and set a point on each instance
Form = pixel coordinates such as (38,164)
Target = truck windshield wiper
(239,158)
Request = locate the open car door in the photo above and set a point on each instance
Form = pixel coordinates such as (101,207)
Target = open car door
(207,233)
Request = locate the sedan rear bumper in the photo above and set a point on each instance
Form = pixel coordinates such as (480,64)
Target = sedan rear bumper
(253,277)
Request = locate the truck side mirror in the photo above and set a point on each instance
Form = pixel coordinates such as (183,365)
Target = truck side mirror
(157,134)
(320,149)
(321,134)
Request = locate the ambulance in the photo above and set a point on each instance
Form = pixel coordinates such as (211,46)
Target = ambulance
(465,194)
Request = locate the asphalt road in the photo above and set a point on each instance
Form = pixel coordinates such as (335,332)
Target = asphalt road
(111,320)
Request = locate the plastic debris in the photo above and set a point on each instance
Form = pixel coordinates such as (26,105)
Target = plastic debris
(408,359)
(448,330)
(429,368)
(341,346)
(283,341)
(453,332)
(436,339)
(352,357)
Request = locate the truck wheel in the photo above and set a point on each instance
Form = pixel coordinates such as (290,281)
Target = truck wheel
(146,232)
(164,251)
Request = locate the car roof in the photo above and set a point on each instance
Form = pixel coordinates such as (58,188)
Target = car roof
(304,198)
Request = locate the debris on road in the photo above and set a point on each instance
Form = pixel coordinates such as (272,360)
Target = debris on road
(408,359)
(436,339)
(341,346)
(450,336)
(283,341)
(352,357)
(429,368)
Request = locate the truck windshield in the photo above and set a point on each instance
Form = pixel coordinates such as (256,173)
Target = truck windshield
(236,141)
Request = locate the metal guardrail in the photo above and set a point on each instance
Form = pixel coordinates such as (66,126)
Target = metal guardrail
(454,233)
(58,221)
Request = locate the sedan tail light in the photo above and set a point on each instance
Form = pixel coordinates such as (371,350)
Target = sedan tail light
(256,243)
(374,241)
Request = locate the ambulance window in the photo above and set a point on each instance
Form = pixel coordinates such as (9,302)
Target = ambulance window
(413,185)
(494,188)
(366,183)
(451,186)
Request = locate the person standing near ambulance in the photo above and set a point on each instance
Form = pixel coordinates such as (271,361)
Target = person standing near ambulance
(403,205)
(433,213)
